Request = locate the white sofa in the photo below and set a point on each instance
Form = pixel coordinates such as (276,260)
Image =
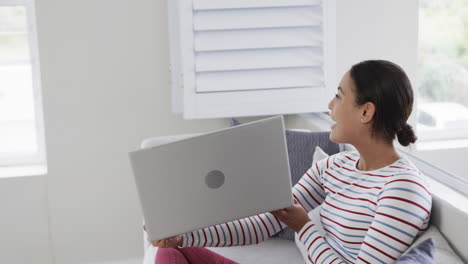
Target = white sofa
(449,216)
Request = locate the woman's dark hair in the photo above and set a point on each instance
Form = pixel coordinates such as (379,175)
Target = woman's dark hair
(386,85)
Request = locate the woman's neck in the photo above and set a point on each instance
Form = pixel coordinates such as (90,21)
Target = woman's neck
(375,155)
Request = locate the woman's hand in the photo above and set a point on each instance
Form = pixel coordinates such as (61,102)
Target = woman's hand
(171,242)
(295,216)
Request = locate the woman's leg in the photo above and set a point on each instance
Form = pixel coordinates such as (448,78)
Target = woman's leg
(197,255)
(169,256)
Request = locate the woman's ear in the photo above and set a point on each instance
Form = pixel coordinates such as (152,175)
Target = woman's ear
(367,112)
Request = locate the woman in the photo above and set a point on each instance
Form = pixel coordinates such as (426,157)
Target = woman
(372,201)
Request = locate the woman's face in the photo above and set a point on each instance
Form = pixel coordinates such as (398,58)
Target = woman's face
(345,112)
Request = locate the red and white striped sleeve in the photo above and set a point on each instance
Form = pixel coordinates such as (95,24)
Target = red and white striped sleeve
(309,190)
(249,230)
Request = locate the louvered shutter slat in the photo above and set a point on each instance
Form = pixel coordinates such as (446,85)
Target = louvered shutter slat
(225,4)
(259,79)
(258,59)
(229,19)
(258,39)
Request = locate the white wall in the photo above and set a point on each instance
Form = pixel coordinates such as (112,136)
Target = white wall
(24,231)
(377,29)
(105,88)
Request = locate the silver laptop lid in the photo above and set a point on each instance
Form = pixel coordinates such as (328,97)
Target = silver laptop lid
(213,178)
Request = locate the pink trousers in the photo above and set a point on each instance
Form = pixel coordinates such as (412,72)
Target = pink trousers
(190,255)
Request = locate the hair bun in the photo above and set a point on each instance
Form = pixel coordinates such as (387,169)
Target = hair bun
(406,135)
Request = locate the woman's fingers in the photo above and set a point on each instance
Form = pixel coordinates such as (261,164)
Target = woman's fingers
(158,243)
(155,243)
(165,243)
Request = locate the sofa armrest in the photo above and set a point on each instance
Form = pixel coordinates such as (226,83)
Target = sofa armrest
(450,215)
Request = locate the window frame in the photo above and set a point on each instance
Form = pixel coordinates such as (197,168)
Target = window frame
(40,157)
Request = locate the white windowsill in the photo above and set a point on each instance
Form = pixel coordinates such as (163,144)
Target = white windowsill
(22,171)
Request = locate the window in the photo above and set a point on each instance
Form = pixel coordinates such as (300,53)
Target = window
(21,123)
(243,58)
(443,70)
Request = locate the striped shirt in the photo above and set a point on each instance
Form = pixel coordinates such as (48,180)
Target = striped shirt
(367,216)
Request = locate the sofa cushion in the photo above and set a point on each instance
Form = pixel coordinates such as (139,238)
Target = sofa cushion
(422,253)
(443,252)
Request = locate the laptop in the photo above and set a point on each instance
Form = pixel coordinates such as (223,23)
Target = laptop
(213,178)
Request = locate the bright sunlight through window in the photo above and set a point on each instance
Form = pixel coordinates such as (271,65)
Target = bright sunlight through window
(21,125)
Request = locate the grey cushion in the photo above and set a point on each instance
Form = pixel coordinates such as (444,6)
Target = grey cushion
(422,253)
(301,147)
(443,252)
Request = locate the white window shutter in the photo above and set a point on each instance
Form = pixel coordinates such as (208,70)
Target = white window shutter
(242,57)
